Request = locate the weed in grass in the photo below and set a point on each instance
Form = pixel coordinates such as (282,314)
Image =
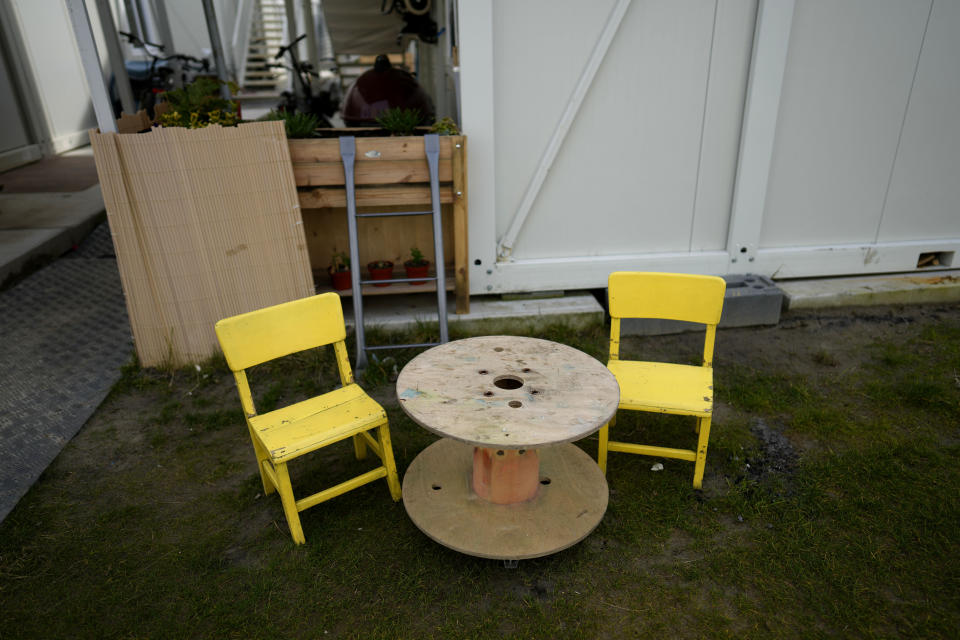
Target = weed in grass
(168,412)
(826,358)
(214,420)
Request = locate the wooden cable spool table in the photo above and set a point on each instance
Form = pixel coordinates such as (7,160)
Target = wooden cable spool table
(504,482)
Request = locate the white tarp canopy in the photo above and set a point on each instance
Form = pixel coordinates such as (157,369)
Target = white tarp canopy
(359,26)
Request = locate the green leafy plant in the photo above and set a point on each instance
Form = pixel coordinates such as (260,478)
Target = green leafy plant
(445,127)
(416,258)
(298,125)
(399,121)
(198,105)
(340,262)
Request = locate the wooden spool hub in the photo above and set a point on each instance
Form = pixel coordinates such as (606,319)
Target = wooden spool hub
(506,476)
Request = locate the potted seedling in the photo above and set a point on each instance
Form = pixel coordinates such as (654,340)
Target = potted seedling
(380,270)
(417,266)
(340,271)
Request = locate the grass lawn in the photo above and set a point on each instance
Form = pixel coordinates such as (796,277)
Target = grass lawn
(830,508)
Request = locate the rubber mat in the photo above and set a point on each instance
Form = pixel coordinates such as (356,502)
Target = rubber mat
(64,336)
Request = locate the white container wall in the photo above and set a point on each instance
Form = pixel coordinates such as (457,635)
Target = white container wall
(53,90)
(790,139)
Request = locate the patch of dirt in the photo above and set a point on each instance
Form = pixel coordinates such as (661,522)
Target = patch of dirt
(777,455)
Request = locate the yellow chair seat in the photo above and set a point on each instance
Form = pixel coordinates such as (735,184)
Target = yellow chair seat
(309,425)
(664,387)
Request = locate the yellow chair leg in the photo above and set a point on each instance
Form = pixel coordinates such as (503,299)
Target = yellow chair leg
(704,429)
(387,448)
(289,504)
(359,447)
(262,455)
(602,449)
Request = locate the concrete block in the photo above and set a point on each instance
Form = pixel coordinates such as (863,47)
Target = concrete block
(750,300)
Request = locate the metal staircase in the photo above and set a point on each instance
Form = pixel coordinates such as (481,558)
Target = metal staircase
(267,35)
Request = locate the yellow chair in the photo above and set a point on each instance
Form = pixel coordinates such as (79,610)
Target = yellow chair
(664,387)
(284,434)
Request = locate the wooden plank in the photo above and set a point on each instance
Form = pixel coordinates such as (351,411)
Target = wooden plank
(395,148)
(378,172)
(323,286)
(375,196)
(461,246)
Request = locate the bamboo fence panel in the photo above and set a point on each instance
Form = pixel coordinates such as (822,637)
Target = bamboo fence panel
(206,224)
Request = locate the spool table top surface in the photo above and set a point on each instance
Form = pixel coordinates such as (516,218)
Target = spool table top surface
(508,392)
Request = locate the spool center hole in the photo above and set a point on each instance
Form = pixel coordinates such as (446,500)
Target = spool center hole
(508,382)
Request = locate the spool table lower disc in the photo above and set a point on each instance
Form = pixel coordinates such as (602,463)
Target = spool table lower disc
(439,499)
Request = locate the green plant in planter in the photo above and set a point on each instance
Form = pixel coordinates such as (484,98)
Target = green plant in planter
(340,262)
(399,121)
(380,264)
(340,271)
(198,105)
(417,266)
(416,258)
(298,125)
(445,127)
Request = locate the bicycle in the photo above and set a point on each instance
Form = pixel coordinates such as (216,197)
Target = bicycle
(150,78)
(324,103)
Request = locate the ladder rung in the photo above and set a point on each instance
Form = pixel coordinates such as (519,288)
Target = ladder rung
(387,214)
(401,346)
(423,279)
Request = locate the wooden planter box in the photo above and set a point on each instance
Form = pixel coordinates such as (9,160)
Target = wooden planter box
(391,174)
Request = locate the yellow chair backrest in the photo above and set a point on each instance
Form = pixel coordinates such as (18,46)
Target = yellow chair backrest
(669,296)
(266,334)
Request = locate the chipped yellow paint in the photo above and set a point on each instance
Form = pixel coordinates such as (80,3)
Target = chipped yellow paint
(289,432)
(661,387)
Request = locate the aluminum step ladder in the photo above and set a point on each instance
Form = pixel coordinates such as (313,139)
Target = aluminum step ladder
(348,153)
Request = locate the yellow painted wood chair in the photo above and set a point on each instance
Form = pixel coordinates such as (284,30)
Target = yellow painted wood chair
(661,387)
(284,434)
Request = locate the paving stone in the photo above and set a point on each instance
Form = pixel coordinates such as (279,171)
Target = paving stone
(902,288)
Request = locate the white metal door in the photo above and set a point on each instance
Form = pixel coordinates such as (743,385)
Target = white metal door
(786,138)
(615,125)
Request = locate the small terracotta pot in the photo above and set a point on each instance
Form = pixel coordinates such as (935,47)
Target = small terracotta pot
(380,273)
(417,270)
(341,280)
